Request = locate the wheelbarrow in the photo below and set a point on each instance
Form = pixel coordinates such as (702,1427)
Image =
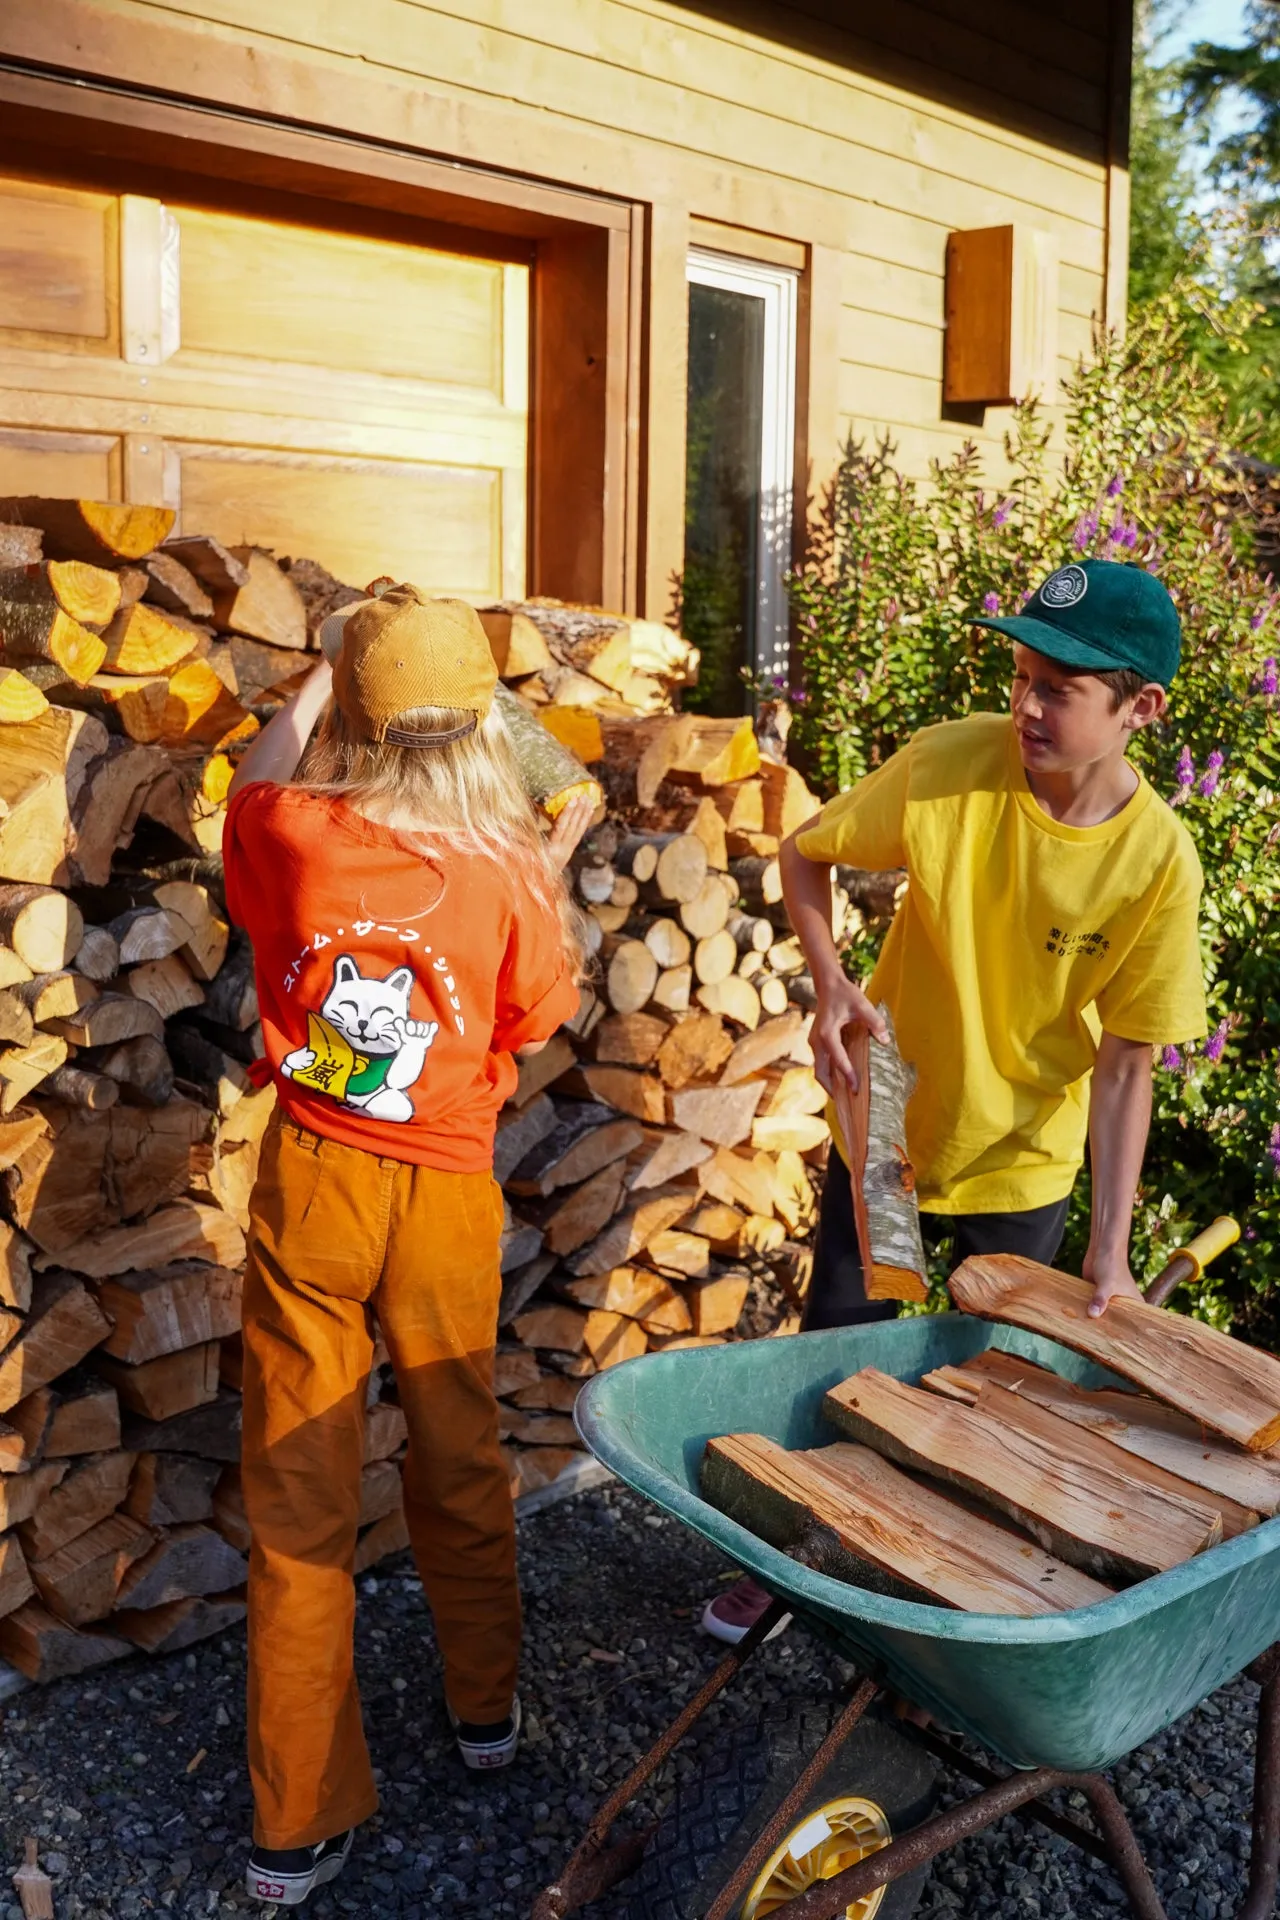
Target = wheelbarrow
(1058,1698)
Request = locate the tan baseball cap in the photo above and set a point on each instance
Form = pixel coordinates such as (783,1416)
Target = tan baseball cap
(405,650)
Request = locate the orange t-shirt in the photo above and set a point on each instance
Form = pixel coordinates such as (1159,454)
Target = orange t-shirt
(393,985)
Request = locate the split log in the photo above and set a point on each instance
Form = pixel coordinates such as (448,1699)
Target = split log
(716,1304)
(721,1225)
(675,1251)
(885,1209)
(788,803)
(167,985)
(161,1312)
(759,883)
(538,1070)
(513,1368)
(639,1295)
(212,1431)
(15,1268)
(45,1648)
(722,1115)
(1094,1450)
(1231,1388)
(629,1039)
(214,565)
(51,996)
(631,1092)
(520,1130)
(22,1494)
(665,1157)
(801,1133)
(562,1329)
(17,1026)
(585,1210)
(97,957)
(390,1535)
(64,1324)
(107,1020)
(537,1429)
(381,1491)
(626,1237)
(639,754)
(739,1180)
(1142,1427)
(694,1049)
(552,1391)
(91,1491)
(42,778)
(386,1430)
(1106,1523)
(718,752)
(668,942)
(796,1090)
(187,1230)
(43,927)
(734,999)
(15,1581)
(147,933)
(173,586)
(754,1051)
(34,626)
(611,1338)
(517,645)
(174,1383)
(588,1137)
(179,1623)
(79,1418)
(20,698)
(209,935)
(845,1512)
(79,1582)
(102,532)
(143,641)
(141,1067)
(13,971)
(266,607)
(183,1564)
(673,989)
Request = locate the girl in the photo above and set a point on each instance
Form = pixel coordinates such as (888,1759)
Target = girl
(410,932)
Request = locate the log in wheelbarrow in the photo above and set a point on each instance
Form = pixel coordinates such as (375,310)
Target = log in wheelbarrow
(825,1810)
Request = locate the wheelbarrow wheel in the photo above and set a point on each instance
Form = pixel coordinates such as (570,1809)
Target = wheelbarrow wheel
(879,1784)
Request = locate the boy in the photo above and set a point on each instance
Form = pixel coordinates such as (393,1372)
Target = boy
(1047,940)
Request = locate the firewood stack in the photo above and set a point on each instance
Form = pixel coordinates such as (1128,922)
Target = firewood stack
(657,1156)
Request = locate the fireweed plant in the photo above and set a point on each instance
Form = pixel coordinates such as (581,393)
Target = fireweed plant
(885,644)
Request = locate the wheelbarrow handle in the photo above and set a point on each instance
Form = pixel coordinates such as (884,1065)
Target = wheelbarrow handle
(1189,1262)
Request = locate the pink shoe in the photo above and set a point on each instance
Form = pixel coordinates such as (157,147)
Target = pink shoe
(732,1614)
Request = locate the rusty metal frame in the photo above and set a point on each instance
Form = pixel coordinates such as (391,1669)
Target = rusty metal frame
(595,1867)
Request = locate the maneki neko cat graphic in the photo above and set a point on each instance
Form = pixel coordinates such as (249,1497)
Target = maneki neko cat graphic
(362,1047)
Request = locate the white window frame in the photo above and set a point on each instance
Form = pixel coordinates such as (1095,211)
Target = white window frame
(777,287)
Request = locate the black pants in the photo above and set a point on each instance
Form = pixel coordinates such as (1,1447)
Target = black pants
(837,1296)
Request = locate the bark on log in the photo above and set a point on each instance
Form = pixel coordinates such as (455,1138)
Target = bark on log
(886,1211)
(268,606)
(103,532)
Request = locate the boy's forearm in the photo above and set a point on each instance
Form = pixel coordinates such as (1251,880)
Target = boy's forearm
(275,754)
(806,890)
(1119,1121)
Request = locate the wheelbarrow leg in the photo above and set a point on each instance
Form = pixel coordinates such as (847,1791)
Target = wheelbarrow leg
(1264,1855)
(1122,1847)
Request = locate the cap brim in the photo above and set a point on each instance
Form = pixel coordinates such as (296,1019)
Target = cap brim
(1054,644)
(332,627)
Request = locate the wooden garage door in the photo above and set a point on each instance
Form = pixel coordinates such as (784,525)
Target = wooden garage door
(359,400)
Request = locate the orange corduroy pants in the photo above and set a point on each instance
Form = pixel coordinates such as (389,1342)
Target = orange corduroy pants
(338,1236)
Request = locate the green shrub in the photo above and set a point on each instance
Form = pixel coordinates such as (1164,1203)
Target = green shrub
(885,644)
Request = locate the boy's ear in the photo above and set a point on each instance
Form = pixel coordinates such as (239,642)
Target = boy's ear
(1148,705)
(345,969)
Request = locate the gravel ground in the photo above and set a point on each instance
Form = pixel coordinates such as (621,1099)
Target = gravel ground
(134,1782)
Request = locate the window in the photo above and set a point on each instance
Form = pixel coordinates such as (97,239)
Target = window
(738,475)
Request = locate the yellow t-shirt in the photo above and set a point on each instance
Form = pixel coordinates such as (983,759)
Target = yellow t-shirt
(1018,941)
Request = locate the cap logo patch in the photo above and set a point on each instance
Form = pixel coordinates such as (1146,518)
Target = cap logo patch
(1065,588)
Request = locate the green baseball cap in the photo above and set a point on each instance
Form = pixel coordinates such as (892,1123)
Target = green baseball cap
(1097,616)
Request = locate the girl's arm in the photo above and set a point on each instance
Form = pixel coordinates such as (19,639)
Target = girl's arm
(277,750)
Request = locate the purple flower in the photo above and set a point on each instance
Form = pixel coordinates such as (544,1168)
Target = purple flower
(890,611)
(1273,1149)
(991,603)
(1269,680)
(1215,1044)
(1115,485)
(1123,534)
(1171,1060)
(1211,777)
(1086,531)
(1002,513)
(799,697)
(1186,768)
(1259,619)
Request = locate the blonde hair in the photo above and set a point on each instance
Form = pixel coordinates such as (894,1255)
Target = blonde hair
(467,791)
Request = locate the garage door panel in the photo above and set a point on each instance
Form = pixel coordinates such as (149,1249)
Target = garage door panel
(437,526)
(58,266)
(259,290)
(86,465)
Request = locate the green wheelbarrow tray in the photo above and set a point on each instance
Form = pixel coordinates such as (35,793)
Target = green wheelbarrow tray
(1072,1691)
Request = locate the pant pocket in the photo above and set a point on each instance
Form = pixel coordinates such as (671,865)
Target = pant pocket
(321,1209)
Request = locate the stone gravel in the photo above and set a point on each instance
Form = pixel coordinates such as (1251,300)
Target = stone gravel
(133,1779)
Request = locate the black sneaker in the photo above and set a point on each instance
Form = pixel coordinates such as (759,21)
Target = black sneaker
(485,1747)
(286,1875)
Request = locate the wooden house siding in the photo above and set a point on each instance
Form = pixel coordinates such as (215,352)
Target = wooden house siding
(864,132)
